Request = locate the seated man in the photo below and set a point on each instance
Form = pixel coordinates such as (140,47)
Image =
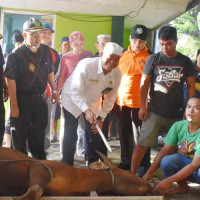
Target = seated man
(184,165)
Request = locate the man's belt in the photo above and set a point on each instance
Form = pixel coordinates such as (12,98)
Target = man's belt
(31,95)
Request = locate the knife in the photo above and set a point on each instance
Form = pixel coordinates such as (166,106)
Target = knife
(102,136)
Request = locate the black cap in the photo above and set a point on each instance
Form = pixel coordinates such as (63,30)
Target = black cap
(32,25)
(139,32)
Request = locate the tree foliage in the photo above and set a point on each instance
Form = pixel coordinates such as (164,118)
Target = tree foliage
(188,26)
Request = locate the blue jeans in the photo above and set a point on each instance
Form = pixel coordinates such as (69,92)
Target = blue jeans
(171,164)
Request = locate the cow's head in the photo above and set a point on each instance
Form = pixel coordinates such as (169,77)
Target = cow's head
(124,182)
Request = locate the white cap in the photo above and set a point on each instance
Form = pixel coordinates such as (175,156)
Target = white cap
(112,48)
(103,36)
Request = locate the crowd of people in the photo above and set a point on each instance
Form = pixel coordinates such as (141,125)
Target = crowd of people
(147,94)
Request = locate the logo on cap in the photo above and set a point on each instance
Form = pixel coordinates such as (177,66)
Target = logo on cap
(77,36)
(139,31)
(37,23)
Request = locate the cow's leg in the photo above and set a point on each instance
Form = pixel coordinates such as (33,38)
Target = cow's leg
(34,193)
(40,176)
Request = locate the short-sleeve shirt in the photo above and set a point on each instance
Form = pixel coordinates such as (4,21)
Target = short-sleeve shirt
(69,62)
(197,76)
(131,65)
(188,144)
(168,77)
(30,70)
(1,75)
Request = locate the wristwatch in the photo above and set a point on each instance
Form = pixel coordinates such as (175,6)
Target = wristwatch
(101,118)
(54,92)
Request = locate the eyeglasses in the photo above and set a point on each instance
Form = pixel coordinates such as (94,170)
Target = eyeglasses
(35,34)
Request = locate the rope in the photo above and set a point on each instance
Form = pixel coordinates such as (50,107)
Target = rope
(37,161)
(112,178)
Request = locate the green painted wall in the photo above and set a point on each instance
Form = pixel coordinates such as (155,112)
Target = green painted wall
(127,33)
(90,30)
(89,25)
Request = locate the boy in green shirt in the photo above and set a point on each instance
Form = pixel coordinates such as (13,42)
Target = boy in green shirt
(185,164)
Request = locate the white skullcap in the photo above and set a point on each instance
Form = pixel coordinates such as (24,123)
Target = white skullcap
(103,36)
(112,48)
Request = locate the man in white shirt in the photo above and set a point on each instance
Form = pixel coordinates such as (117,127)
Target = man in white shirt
(82,93)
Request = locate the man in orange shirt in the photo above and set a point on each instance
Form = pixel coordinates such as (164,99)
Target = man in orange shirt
(128,101)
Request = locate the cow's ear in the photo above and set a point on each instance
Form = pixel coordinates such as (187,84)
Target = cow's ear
(106,160)
(98,165)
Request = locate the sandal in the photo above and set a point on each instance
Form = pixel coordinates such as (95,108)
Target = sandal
(54,140)
(109,138)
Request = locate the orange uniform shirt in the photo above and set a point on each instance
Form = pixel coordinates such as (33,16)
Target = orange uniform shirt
(131,66)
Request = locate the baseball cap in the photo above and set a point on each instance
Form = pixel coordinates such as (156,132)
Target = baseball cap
(76,36)
(64,39)
(47,26)
(32,25)
(112,48)
(139,32)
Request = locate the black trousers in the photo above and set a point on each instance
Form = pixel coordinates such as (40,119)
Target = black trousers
(30,125)
(2,121)
(70,138)
(129,127)
(95,142)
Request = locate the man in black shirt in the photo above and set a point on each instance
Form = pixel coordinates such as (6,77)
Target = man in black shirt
(3,97)
(28,69)
(164,74)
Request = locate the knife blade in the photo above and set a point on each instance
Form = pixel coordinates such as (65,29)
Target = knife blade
(102,136)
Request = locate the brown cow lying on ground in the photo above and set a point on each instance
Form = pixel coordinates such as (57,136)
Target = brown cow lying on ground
(31,178)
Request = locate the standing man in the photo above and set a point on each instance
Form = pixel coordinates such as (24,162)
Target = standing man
(28,69)
(17,39)
(3,96)
(131,65)
(64,45)
(165,73)
(102,40)
(56,109)
(46,35)
(82,93)
(70,60)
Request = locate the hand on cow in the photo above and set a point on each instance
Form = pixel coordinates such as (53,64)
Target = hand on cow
(146,178)
(162,187)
